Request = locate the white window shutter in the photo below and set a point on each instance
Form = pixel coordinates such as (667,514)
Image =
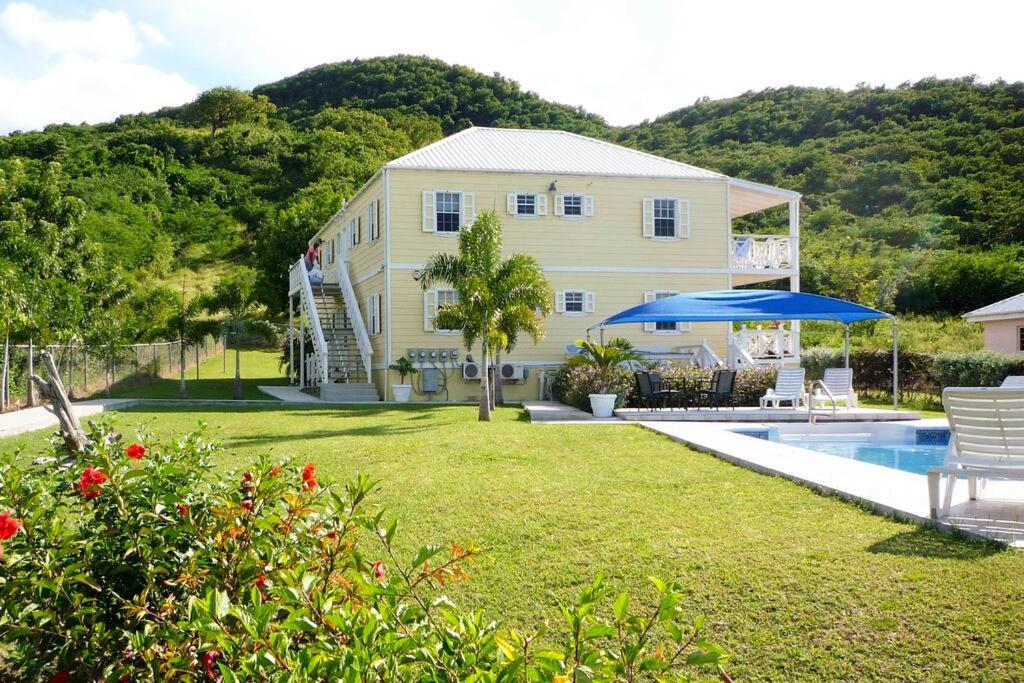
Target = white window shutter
(429,309)
(682,218)
(359,229)
(369,313)
(648,217)
(588,205)
(542,204)
(559,204)
(429,220)
(560,302)
(511,203)
(468,212)
(648,297)
(589,303)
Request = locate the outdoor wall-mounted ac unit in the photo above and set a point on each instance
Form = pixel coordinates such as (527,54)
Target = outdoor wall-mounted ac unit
(471,371)
(511,371)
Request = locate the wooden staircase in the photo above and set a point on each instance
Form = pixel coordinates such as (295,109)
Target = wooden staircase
(348,378)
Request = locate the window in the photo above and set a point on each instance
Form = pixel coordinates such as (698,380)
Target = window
(373,314)
(666,217)
(354,229)
(330,250)
(664,328)
(1020,338)
(447,211)
(371,221)
(574,302)
(574,206)
(433,301)
(527,204)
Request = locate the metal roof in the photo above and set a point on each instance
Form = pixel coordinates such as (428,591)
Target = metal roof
(515,150)
(1011,307)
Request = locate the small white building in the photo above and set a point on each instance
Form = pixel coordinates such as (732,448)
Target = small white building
(1004,324)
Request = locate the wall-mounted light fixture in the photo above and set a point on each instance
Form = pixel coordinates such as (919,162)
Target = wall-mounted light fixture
(416,275)
(553,187)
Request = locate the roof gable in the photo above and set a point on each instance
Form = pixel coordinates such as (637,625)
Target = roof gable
(516,150)
(1011,306)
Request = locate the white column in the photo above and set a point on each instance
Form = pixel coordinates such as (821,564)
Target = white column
(291,340)
(794,279)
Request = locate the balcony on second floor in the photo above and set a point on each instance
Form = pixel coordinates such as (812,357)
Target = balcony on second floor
(761,253)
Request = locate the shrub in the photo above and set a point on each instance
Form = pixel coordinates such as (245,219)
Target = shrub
(872,369)
(136,562)
(975,369)
(576,380)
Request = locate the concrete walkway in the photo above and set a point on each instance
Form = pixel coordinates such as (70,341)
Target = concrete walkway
(40,417)
(553,411)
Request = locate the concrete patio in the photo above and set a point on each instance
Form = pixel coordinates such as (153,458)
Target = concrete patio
(747,414)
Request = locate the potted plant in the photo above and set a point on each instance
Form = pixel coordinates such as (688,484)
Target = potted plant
(402,391)
(605,358)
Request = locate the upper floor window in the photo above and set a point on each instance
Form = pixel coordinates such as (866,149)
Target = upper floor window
(355,230)
(574,302)
(527,204)
(446,211)
(574,205)
(666,217)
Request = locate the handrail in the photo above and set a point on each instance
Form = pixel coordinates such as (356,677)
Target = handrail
(352,304)
(810,399)
(319,341)
(762,252)
(710,354)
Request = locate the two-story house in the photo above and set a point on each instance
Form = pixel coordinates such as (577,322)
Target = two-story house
(611,226)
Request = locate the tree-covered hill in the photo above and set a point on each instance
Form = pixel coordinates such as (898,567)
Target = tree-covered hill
(913,195)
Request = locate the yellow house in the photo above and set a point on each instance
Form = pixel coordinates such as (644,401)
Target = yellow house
(611,226)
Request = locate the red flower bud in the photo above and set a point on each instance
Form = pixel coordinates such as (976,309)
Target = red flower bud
(378,569)
(209,658)
(135,451)
(309,477)
(90,482)
(274,471)
(182,509)
(8,526)
(247,504)
(261,581)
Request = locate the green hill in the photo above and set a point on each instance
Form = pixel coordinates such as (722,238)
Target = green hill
(914,196)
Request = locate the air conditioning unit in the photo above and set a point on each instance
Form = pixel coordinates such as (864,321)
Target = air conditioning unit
(471,371)
(511,371)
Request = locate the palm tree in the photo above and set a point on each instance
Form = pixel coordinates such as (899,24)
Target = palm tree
(606,357)
(511,322)
(489,290)
(190,326)
(235,296)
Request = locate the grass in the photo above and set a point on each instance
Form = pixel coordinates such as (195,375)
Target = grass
(796,585)
(924,334)
(912,406)
(216,379)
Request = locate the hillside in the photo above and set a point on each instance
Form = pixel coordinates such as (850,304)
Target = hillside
(913,195)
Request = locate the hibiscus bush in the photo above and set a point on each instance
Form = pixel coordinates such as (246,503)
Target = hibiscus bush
(138,562)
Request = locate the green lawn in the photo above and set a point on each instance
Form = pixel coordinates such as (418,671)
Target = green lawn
(887,405)
(796,585)
(216,379)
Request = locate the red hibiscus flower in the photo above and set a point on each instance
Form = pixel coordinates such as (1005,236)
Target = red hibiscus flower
(261,581)
(90,482)
(247,504)
(135,451)
(274,471)
(182,509)
(309,477)
(331,535)
(61,677)
(8,526)
(378,569)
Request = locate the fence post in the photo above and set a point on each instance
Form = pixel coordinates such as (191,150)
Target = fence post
(30,391)
(108,370)
(70,362)
(85,368)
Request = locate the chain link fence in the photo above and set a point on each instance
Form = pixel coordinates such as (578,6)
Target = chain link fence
(91,371)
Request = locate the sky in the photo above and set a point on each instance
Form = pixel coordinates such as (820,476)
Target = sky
(92,60)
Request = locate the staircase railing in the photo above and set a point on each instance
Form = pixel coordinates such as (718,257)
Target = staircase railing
(354,315)
(739,357)
(300,277)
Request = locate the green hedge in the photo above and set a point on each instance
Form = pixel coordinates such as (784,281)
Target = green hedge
(918,372)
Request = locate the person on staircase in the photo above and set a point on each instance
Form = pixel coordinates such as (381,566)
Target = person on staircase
(312,261)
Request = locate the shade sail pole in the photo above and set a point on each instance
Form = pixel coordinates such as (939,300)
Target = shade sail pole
(601,330)
(895,366)
(846,345)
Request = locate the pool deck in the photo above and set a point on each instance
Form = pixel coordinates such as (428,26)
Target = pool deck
(763,415)
(998,515)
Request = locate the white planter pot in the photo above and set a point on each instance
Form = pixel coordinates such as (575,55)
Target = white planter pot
(401,392)
(602,405)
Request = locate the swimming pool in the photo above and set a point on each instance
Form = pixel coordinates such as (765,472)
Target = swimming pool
(901,447)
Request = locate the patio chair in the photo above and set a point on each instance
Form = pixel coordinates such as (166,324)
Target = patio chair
(986,441)
(650,391)
(1013,381)
(789,386)
(839,382)
(720,392)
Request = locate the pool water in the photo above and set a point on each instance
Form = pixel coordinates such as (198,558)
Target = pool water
(916,458)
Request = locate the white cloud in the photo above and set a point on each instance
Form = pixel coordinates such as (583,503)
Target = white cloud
(78,89)
(83,68)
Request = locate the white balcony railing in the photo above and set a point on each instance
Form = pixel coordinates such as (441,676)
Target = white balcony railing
(772,344)
(761,252)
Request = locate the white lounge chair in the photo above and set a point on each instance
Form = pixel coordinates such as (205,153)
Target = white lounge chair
(839,382)
(1013,381)
(986,440)
(789,386)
